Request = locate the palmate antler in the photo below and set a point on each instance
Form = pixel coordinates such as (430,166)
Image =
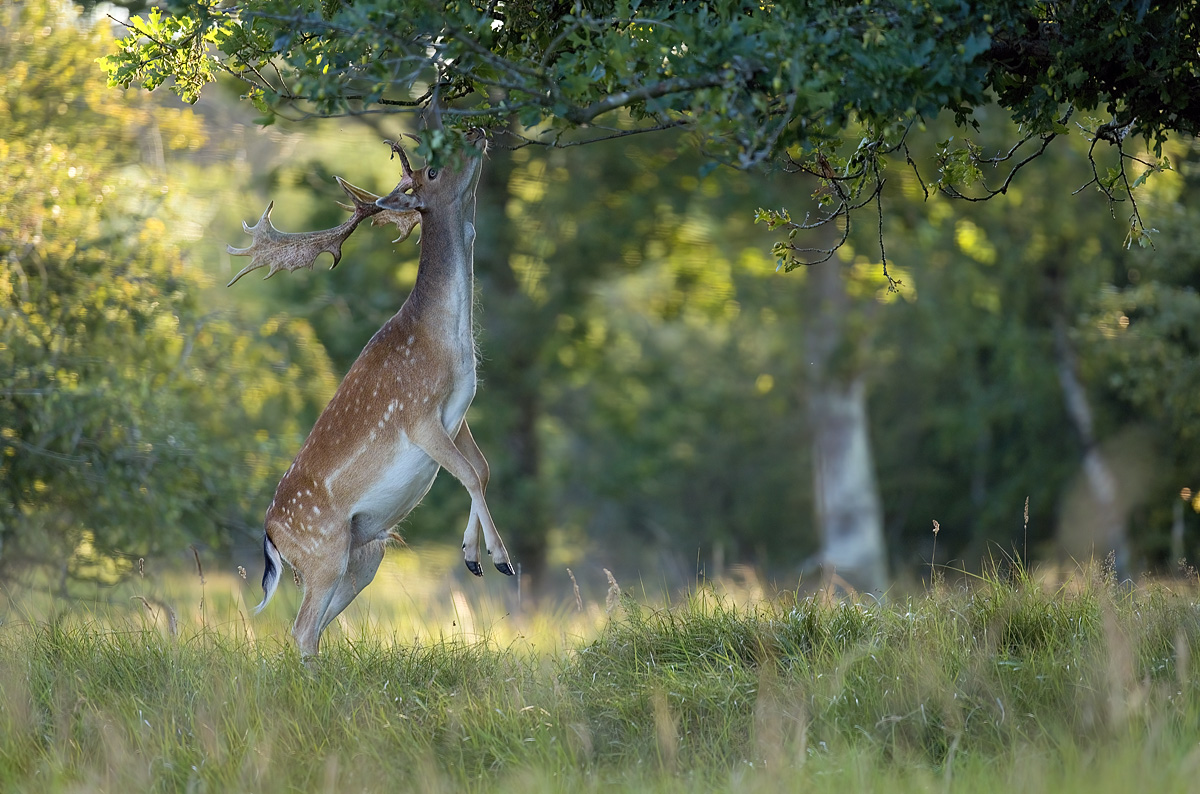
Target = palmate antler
(278,250)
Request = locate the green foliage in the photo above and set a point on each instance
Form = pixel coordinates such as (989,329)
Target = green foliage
(642,367)
(1143,332)
(1140,336)
(133,419)
(165,47)
(808,68)
(969,417)
(755,82)
(973,689)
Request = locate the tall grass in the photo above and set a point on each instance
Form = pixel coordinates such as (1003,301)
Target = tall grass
(998,684)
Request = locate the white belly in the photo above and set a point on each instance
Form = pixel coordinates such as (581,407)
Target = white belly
(402,482)
(401,485)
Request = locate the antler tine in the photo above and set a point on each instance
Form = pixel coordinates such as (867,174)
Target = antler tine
(405,166)
(362,200)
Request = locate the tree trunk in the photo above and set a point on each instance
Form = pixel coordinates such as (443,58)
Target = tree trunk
(1177,536)
(849,513)
(524,445)
(510,382)
(1109,529)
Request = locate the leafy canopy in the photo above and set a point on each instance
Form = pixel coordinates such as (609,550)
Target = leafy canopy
(754,77)
(133,419)
(756,82)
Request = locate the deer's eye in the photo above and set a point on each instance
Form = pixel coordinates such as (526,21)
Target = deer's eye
(432,173)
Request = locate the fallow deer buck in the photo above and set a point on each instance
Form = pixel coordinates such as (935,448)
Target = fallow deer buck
(399,414)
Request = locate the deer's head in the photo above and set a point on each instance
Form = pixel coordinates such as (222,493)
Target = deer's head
(428,187)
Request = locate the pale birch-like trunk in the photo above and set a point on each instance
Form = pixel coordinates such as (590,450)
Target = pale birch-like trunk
(848,507)
(849,512)
(1109,530)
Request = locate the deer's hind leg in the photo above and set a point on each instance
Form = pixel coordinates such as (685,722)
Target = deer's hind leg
(360,570)
(322,572)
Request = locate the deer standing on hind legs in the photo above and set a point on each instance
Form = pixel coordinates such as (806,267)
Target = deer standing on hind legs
(399,414)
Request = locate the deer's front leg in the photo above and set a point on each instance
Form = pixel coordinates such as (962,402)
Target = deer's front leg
(465,443)
(432,437)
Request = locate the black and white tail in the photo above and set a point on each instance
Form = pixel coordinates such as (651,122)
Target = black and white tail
(274,567)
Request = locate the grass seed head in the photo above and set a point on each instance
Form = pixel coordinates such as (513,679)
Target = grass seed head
(575,587)
(614,592)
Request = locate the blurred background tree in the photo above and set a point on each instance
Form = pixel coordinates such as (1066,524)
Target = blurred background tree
(134,419)
(1019,314)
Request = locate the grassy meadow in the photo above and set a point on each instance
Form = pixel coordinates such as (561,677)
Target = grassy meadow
(986,685)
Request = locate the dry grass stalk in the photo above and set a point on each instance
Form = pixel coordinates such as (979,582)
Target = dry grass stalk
(199,567)
(575,587)
(1183,658)
(1025,552)
(614,593)
(146,604)
(932,560)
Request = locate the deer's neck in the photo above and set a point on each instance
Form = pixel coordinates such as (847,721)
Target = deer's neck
(444,292)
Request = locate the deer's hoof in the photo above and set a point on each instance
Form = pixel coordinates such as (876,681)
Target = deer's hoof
(474,567)
(505,568)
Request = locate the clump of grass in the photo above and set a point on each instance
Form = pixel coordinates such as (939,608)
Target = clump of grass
(1000,683)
